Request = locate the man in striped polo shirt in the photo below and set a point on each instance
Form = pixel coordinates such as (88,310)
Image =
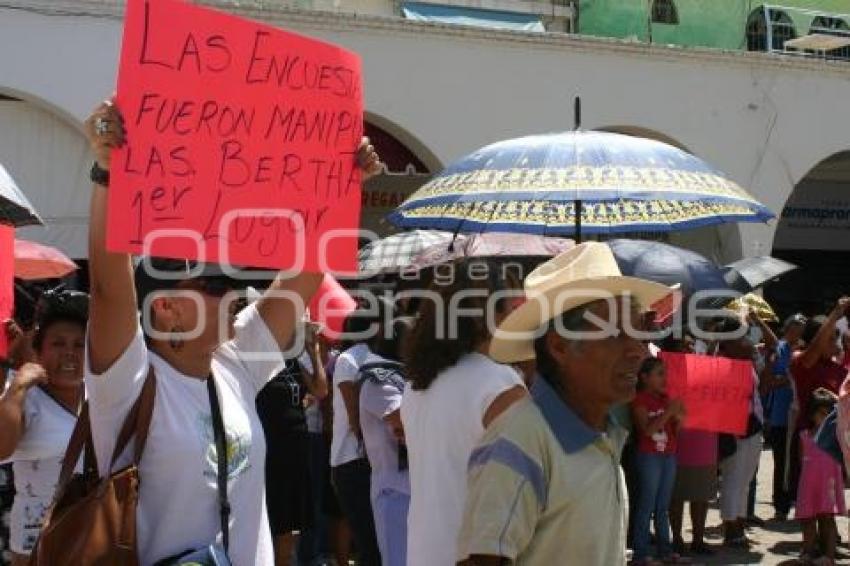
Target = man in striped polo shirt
(545,486)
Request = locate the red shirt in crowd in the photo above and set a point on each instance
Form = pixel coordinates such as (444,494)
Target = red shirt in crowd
(663,441)
(825,373)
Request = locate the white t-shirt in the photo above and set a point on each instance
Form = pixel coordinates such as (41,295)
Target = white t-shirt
(377,400)
(345,447)
(36,463)
(442,425)
(178,503)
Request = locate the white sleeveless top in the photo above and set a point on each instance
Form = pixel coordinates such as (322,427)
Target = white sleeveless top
(442,425)
(36,464)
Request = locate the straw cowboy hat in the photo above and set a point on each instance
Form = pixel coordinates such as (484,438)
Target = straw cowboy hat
(581,275)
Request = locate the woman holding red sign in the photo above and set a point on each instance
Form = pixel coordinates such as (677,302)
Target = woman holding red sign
(197,369)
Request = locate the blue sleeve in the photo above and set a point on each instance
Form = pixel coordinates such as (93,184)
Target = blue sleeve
(783,358)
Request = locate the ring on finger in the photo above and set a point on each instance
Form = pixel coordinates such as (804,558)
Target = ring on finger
(101,126)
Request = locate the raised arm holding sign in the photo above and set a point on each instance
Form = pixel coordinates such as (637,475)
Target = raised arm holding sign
(210,120)
(234,142)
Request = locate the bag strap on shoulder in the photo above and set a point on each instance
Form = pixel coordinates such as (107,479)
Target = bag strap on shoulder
(80,438)
(221,457)
(136,423)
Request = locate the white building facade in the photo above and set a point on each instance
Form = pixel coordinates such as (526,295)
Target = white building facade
(770,123)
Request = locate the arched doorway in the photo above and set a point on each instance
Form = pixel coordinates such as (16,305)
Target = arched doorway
(407,170)
(768,29)
(814,233)
(48,157)
(664,12)
(835,26)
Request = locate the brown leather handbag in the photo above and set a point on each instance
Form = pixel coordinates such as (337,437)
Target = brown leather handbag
(92,521)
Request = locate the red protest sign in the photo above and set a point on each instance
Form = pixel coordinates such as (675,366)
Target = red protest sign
(7,282)
(241,142)
(716,391)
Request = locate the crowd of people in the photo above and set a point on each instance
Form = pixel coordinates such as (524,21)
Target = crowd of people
(493,422)
(797,380)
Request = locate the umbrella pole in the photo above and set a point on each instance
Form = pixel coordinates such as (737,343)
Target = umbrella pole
(577,205)
(576,127)
(454,237)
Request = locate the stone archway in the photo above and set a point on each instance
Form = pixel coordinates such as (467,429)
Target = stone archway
(642,132)
(760,32)
(48,157)
(814,232)
(409,166)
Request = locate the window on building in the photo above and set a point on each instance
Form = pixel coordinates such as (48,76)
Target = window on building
(664,12)
(781,29)
(830,25)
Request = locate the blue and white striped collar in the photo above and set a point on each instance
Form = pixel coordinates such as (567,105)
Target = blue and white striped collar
(572,433)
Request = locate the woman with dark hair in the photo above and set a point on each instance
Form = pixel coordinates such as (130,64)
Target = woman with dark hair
(776,379)
(696,474)
(281,406)
(658,419)
(381,387)
(38,411)
(350,472)
(455,391)
(820,498)
(207,364)
(812,367)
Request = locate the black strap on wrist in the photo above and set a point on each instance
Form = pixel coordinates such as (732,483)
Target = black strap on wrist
(99,175)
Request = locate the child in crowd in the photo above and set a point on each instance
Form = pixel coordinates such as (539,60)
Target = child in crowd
(657,419)
(820,496)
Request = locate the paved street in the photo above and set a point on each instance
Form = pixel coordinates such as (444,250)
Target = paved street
(776,543)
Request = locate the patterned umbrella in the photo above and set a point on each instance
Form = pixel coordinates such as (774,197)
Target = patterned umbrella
(492,244)
(756,304)
(620,183)
(396,252)
(15,209)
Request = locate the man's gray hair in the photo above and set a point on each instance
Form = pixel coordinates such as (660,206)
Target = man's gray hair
(572,320)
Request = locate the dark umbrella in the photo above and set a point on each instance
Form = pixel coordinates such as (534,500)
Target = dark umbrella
(667,264)
(15,209)
(752,272)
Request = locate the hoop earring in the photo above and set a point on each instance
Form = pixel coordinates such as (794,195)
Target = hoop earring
(176,343)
